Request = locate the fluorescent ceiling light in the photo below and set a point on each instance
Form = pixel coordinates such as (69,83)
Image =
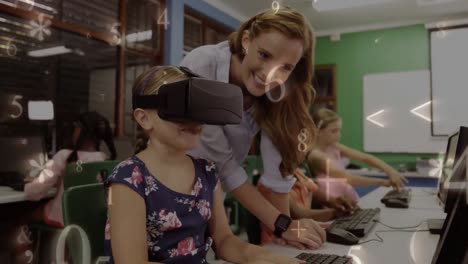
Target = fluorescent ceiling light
(30,4)
(334,5)
(140,36)
(433,2)
(40,110)
(49,51)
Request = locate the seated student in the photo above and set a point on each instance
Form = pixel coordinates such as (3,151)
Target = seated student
(300,203)
(325,158)
(164,205)
(90,129)
(302,193)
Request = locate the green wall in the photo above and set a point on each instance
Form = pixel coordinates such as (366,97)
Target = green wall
(357,54)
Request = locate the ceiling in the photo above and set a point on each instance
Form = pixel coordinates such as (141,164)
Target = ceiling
(379,14)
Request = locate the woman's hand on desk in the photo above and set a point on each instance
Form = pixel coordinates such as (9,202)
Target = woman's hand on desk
(306,233)
(282,242)
(275,259)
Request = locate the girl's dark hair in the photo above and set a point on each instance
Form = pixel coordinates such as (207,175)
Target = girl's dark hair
(94,127)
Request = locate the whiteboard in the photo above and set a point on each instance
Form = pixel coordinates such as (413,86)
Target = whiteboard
(449,67)
(389,124)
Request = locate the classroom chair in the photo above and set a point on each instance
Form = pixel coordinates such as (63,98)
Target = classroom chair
(231,206)
(236,213)
(306,169)
(254,169)
(80,174)
(77,175)
(85,206)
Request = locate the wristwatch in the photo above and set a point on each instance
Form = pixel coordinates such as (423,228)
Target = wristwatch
(282,224)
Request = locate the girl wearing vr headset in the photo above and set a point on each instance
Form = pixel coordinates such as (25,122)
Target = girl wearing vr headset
(90,129)
(164,205)
(271,52)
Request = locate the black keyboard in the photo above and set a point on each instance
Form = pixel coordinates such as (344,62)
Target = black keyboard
(359,223)
(402,195)
(324,259)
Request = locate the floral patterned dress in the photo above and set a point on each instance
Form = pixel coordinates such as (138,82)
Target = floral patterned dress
(176,223)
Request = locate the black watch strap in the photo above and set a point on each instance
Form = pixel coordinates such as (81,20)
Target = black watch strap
(282,224)
(278,233)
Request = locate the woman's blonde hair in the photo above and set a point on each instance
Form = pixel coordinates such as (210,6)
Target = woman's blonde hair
(284,120)
(148,83)
(324,117)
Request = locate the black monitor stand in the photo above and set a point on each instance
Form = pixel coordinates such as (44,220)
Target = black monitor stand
(435,225)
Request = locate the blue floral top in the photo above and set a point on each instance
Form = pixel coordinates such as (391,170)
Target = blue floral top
(176,223)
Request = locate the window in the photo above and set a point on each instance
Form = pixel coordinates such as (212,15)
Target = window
(324,83)
(67,52)
(199,31)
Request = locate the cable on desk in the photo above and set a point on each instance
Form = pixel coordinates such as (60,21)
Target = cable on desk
(380,239)
(425,208)
(431,192)
(399,227)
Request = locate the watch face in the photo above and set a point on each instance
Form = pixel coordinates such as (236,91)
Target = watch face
(284,221)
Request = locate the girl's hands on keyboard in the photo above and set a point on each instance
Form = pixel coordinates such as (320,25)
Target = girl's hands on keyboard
(397,180)
(344,205)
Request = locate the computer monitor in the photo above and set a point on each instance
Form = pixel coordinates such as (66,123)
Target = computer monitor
(450,177)
(447,166)
(455,183)
(453,243)
(22,155)
(451,151)
(455,146)
(462,142)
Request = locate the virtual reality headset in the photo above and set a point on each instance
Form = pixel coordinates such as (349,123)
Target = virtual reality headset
(195,99)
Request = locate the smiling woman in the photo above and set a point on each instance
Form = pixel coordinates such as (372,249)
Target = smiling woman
(271,58)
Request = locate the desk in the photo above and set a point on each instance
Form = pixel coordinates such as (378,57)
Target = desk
(367,172)
(8,195)
(398,247)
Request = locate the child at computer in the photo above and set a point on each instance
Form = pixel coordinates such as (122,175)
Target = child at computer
(326,155)
(164,205)
(90,129)
(300,204)
(305,190)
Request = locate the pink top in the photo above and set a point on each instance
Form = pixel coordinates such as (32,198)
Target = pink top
(52,176)
(335,187)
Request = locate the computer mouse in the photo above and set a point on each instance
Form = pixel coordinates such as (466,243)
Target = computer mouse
(341,236)
(396,203)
